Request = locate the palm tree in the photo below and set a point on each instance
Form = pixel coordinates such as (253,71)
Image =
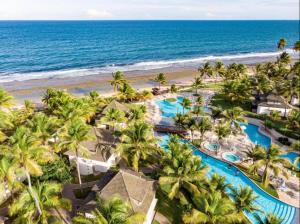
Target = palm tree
(127,92)
(181,119)
(173,88)
(113,211)
(137,113)
(192,126)
(268,219)
(49,200)
(222,130)
(137,144)
(181,171)
(204,125)
(197,110)
(6,100)
(113,116)
(255,153)
(73,134)
(118,80)
(234,116)
(197,84)
(220,68)
(263,85)
(281,44)
(270,160)
(43,126)
(161,79)
(218,183)
(297,46)
(8,175)
(284,58)
(199,101)
(294,119)
(213,208)
(244,199)
(28,152)
(206,69)
(216,112)
(6,123)
(186,104)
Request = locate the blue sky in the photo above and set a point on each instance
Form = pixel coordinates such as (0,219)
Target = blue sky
(149,9)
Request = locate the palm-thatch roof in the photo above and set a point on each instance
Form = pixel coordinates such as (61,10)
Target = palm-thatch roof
(131,186)
(116,105)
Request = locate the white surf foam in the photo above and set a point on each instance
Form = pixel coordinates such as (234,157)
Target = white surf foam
(142,66)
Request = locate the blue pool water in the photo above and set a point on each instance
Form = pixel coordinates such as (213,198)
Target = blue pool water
(237,178)
(231,157)
(255,136)
(212,146)
(258,138)
(170,109)
(292,157)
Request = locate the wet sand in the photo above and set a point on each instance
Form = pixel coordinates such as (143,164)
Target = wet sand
(34,89)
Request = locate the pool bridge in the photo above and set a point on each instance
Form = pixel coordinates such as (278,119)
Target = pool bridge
(172,129)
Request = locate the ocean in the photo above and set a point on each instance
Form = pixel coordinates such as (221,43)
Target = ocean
(45,49)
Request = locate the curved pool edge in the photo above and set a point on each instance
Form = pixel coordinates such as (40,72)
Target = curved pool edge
(234,165)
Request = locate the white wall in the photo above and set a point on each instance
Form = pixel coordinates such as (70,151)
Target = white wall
(295,101)
(89,166)
(267,110)
(151,212)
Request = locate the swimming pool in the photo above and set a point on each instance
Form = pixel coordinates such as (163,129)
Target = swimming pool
(212,146)
(258,138)
(170,109)
(233,175)
(231,157)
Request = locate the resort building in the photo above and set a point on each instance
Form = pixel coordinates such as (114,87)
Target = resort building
(295,100)
(96,155)
(272,102)
(130,186)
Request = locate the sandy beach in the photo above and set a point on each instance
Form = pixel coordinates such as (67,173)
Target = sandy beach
(34,89)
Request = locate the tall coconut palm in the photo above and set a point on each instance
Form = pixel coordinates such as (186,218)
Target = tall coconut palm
(234,116)
(181,171)
(6,100)
(118,80)
(186,104)
(206,70)
(192,126)
(137,145)
(113,211)
(268,219)
(213,208)
(113,116)
(271,161)
(43,126)
(218,183)
(297,46)
(49,200)
(284,58)
(197,110)
(197,84)
(6,123)
(181,119)
(199,101)
(161,79)
(222,130)
(174,88)
(28,152)
(281,44)
(73,134)
(244,199)
(220,68)
(255,153)
(263,85)
(203,125)
(216,112)
(127,92)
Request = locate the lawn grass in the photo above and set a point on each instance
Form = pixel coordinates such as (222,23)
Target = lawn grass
(220,100)
(169,208)
(213,85)
(171,100)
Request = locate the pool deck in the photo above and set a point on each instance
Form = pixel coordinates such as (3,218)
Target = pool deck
(155,116)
